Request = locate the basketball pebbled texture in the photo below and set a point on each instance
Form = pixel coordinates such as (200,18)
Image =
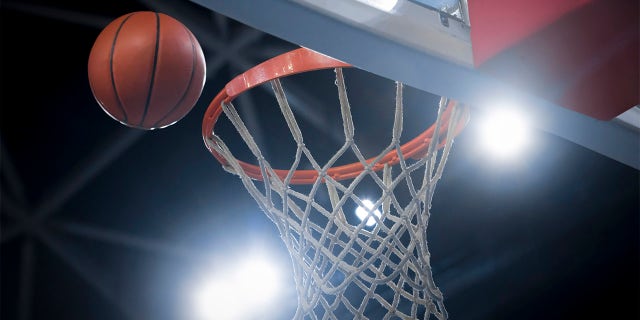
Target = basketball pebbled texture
(146,70)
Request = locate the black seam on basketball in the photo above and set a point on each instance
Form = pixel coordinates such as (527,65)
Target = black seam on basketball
(153,71)
(113,80)
(186,90)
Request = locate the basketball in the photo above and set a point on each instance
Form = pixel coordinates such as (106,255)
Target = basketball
(146,70)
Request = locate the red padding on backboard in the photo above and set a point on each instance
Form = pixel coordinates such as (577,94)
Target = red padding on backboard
(581,54)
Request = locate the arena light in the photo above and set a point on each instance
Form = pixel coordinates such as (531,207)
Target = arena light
(242,291)
(383,5)
(504,133)
(363,213)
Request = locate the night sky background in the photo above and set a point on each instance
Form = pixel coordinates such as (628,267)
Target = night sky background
(102,221)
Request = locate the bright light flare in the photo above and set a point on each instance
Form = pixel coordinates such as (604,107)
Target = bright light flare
(241,292)
(216,298)
(504,133)
(363,213)
(383,5)
(259,280)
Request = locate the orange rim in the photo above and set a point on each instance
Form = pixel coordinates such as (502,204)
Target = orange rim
(305,60)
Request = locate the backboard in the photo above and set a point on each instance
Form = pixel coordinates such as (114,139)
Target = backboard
(419,44)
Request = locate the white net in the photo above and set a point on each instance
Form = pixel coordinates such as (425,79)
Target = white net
(375,268)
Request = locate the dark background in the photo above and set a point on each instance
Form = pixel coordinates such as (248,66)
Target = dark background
(101,221)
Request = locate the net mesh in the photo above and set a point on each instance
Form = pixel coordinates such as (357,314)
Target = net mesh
(374,268)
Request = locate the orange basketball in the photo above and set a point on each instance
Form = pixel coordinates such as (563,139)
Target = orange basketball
(146,70)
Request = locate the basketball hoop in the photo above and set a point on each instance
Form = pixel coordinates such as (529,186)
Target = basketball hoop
(344,269)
